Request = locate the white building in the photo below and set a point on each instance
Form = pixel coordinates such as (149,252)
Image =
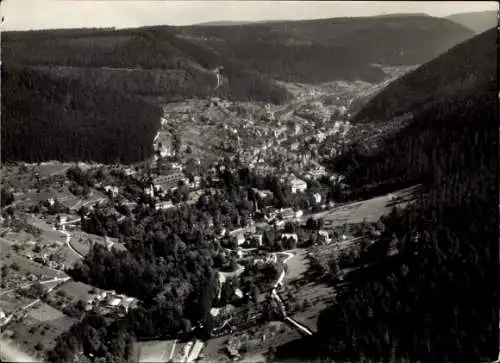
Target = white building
(324,236)
(298,185)
(221,279)
(164,205)
(113,190)
(240,239)
(239,235)
(317,198)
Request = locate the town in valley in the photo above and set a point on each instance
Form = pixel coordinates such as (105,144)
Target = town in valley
(187,204)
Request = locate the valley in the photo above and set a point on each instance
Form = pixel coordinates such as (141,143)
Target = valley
(310,190)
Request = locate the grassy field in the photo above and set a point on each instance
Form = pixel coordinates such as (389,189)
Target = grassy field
(253,346)
(81,241)
(25,265)
(12,302)
(38,331)
(18,237)
(369,210)
(319,295)
(48,234)
(52,168)
(297,265)
(77,290)
(69,256)
(13,176)
(155,350)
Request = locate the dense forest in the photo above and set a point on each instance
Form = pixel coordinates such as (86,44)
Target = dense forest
(45,119)
(437,300)
(462,68)
(150,62)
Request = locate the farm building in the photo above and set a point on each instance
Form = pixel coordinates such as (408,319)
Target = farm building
(324,237)
(170,181)
(297,185)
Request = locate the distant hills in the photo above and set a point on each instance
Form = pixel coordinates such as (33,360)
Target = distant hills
(166,59)
(459,70)
(324,50)
(223,23)
(478,22)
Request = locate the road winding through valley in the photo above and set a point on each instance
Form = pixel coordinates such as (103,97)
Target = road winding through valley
(274,294)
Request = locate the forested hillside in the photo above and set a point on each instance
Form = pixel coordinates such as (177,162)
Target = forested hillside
(437,300)
(45,119)
(150,61)
(331,49)
(462,68)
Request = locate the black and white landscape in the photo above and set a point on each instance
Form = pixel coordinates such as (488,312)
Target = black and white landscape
(260,190)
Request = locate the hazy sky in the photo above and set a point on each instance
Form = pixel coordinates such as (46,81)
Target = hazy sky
(47,14)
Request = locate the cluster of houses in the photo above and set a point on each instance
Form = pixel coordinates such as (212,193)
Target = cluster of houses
(107,302)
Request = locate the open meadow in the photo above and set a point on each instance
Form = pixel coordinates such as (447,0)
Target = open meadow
(40,328)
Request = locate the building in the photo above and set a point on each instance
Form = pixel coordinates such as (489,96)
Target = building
(263,194)
(240,238)
(114,301)
(196,182)
(320,136)
(170,181)
(279,224)
(129,303)
(164,205)
(324,237)
(112,190)
(271,258)
(287,213)
(129,171)
(317,198)
(60,223)
(163,144)
(278,132)
(297,185)
(256,238)
(4,318)
(239,294)
(221,279)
